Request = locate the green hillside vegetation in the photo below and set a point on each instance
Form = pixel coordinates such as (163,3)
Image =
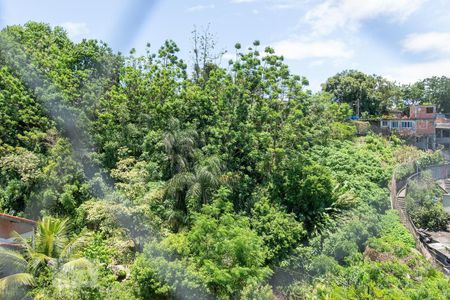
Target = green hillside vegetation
(424,204)
(151,181)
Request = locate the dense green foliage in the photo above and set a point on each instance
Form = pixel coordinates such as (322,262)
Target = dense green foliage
(435,90)
(424,204)
(367,94)
(233,182)
(389,268)
(373,95)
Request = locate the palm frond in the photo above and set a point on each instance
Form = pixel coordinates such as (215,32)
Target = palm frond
(194,191)
(82,240)
(176,218)
(179,182)
(168,142)
(77,264)
(345,197)
(37,261)
(22,242)
(51,236)
(207,178)
(12,262)
(12,282)
(181,162)
(214,165)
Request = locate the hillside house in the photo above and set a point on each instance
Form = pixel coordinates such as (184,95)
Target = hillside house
(424,127)
(10,224)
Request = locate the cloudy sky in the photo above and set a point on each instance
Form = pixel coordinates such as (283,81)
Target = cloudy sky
(404,40)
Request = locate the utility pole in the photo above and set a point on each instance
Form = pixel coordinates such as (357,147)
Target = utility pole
(358,101)
(357,107)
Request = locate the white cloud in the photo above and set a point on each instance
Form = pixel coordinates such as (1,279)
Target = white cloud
(433,42)
(332,15)
(200,7)
(243,1)
(286,4)
(317,63)
(274,4)
(76,30)
(297,49)
(414,72)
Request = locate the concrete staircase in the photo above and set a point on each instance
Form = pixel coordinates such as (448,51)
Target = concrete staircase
(401,205)
(401,199)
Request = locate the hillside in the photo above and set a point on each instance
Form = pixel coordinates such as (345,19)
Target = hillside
(152,179)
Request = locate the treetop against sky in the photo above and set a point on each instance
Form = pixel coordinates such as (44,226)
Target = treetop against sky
(405,40)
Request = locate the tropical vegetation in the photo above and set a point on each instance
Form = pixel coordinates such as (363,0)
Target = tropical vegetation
(155,178)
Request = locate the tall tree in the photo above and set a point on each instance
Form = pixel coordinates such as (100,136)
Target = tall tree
(369,94)
(437,91)
(179,145)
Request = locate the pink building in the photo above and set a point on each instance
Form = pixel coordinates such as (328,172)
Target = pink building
(424,127)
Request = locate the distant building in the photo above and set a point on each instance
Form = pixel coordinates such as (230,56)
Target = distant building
(10,224)
(424,127)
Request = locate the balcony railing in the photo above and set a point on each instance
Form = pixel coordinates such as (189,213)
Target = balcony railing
(443,140)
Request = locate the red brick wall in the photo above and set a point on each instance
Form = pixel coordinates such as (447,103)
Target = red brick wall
(425,127)
(420,112)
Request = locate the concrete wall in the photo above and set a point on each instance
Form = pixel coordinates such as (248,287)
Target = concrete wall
(422,142)
(446,202)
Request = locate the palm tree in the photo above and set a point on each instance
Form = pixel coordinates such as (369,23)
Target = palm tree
(197,185)
(50,248)
(16,277)
(207,178)
(179,145)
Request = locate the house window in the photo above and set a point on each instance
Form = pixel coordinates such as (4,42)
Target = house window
(384,123)
(406,124)
(394,124)
(430,110)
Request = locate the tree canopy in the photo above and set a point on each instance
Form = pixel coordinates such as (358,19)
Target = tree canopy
(228,181)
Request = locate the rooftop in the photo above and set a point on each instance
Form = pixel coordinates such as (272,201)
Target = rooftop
(16,219)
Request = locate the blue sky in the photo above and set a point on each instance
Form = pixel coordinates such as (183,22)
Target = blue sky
(404,40)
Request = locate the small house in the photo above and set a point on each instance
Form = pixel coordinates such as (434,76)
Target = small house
(10,224)
(424,127)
